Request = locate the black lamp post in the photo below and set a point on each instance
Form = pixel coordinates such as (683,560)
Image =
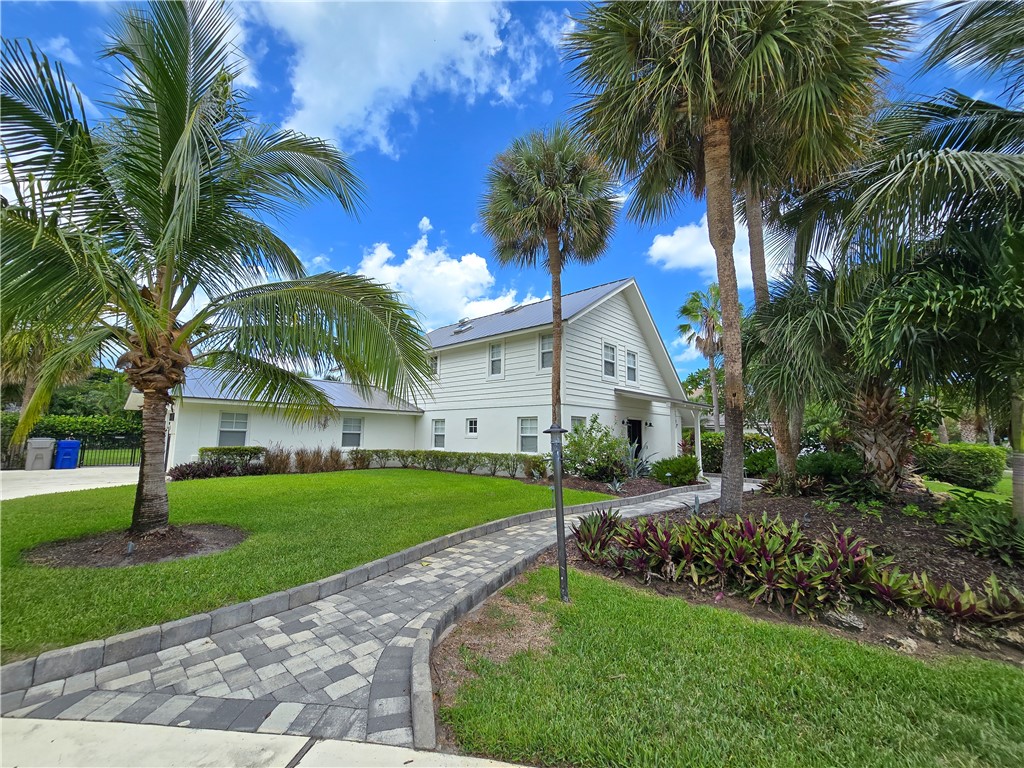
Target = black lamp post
(556,433)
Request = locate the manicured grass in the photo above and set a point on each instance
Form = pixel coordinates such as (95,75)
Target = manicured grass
(1003,490)
(302,528)
(635,679)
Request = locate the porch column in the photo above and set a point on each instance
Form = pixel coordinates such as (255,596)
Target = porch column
(696,441)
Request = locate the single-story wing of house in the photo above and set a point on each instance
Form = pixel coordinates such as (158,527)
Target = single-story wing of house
(490,390)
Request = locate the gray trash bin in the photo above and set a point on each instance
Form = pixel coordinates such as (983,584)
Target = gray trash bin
(39,453)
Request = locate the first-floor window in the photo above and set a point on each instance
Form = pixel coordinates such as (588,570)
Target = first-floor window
(528,434)
(233,427)
(439,433)
(351,432)
(472,427)
(575,421)
(631,366)
(609,361)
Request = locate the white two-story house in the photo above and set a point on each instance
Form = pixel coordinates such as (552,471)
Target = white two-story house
(491,389)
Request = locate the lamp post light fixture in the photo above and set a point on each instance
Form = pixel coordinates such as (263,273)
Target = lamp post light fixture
(556,433)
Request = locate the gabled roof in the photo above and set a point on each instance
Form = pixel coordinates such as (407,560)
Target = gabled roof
(521,318)
(202,384)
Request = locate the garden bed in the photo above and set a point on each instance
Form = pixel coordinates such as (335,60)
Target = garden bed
(635,487)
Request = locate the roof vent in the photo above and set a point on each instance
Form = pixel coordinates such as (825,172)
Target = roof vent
(464,321)
(512,309)
(463,328)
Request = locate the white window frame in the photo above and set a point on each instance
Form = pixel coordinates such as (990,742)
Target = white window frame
(435,365)
(520,434)
(541,351)
(347,423)
(233,429)
(636,367)
(574,420)
(437,433)
(472,427)
(491,359)
(614,375)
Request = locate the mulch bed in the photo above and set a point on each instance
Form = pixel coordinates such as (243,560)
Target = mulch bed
(111,550)
(636,487)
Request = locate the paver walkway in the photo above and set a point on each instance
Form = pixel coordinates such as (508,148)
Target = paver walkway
(336,668)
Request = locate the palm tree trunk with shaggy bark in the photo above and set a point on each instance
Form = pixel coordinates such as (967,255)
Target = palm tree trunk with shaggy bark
(555,268)
(880,432)
(713,375)
(785,448)
(1017,446)
(722,233)
(151,508)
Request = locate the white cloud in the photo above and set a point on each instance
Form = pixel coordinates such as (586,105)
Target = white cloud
(688,248)
(359,66)
(425,225)
(683,354)
(316,265)
(442,287)
(60,48)
(552,27)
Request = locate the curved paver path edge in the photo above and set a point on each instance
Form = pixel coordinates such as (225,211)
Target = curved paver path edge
(89,656)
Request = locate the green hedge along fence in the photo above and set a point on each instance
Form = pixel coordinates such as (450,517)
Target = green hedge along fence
(973,466)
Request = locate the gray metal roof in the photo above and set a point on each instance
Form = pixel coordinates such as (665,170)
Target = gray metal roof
(521,318)
(207,385)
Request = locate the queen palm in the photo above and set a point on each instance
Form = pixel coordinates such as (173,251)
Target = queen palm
(117,230)
(703,310)
(669,84)
(548,196)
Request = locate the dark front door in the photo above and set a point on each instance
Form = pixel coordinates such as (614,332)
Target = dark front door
(634,433)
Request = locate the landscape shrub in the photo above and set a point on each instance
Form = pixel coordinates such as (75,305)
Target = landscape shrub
(438,461)
(94,429)
(493,462)
(675,471)
(973,466)
(830,466)
(986,527)
(510,463)
(405,459)
(535,467)
(712,447)
(381,457)
(470,462)
(594,452)
(358,459)
(760,464)
(239,455)
(203,470)
(309,460)
(277,460)
(776,563)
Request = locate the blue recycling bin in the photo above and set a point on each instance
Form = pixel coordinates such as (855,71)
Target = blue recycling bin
(67,454)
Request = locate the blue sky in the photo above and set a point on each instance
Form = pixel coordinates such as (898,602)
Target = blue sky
(424,95)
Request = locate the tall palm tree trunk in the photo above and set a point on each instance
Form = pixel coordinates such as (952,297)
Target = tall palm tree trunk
(151,510)
(880,432)
(713,374)
(722,233)
(782,434)
(1017,446)
(555,268)
(28,389)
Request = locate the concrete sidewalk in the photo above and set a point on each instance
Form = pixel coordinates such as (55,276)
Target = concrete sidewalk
(18,483)
(65,744)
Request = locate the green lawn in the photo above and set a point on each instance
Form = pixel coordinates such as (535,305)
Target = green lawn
(302,528)
(1003,490)
(639,680)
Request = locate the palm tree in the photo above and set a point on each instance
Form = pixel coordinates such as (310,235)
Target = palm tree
(668,87)
(25,349)
(703,310)
(549,195)
(114,231)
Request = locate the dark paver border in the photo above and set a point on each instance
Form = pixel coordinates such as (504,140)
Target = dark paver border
(89,656)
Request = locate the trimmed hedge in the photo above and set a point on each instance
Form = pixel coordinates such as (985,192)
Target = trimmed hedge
(91,428)
(973,466)
(239,455)
(830,466)
(712,446)
(675,471)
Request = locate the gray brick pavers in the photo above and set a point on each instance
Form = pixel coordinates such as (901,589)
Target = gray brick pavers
(336,668)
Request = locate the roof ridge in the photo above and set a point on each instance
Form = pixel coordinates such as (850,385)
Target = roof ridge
(539,301)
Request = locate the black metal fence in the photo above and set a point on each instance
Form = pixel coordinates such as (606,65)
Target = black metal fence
(112,451)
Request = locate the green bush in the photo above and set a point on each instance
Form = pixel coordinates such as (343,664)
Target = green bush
(760,464)
(830,466)
(94,429)
(382,456)
(535,467)
(712,446)
(986,527)
(675,471)
(593,451)
(973,466)
(239,455)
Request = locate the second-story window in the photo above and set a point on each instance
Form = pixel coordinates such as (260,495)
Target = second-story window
(609,361)
(495,361)
(547,351)
(434,363)
(631,372)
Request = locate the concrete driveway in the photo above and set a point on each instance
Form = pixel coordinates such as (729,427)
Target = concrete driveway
(16,483)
